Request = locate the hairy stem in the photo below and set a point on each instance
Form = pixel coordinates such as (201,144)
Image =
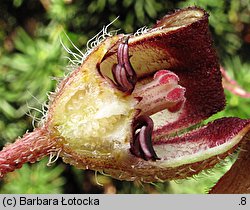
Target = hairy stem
(30,148)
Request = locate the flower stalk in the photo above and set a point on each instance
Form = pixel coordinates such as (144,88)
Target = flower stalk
(30,148)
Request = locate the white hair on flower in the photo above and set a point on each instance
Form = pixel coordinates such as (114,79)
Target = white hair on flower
(53,157)
(100,36)
(141,31)
(76,58)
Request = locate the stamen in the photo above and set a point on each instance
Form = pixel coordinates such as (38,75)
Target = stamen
(123,72)
(161,93)
(141,146)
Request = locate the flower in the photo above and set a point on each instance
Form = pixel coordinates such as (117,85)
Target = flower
(129,109)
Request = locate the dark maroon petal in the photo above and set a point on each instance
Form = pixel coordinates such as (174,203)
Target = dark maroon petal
(198,70)
(216,138)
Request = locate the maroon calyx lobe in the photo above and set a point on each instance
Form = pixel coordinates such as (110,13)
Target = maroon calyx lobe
(197,67)
(212,135)
(141,145)
(123,72)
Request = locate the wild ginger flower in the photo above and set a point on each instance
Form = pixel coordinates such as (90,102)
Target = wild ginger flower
(126,110)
